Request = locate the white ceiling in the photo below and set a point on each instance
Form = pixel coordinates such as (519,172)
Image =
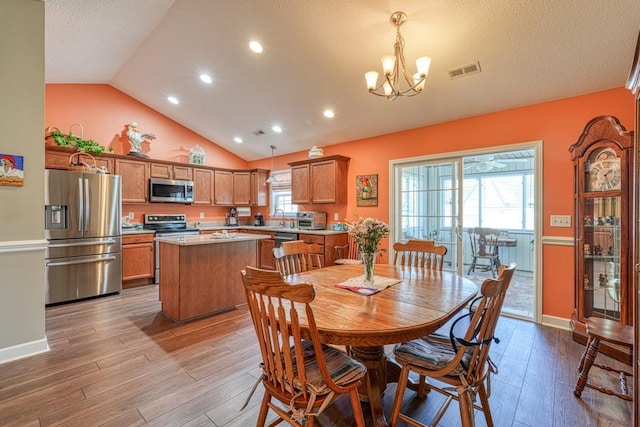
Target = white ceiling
(317,51)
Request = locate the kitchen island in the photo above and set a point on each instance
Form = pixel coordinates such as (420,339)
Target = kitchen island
(200,275)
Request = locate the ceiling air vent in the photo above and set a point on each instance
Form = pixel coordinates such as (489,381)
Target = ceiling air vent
(464,70)
(258,132)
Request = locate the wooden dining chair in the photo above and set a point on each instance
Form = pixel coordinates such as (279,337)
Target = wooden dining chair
(484,250)
(347,254)
(612,332)
(296,257)
(419,253)
(460,361)
(303,374)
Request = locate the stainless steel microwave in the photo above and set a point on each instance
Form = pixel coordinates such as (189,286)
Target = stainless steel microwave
(170,191)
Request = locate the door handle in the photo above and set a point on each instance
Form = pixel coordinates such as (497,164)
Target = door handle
(84,261)
(70,245)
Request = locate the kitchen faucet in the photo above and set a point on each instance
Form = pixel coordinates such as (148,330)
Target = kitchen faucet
(276,213)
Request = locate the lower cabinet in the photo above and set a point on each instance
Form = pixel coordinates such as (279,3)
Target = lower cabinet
(266,260)
(138,257)
(327,243)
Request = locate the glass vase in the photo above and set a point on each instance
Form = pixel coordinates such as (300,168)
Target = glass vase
(367,261)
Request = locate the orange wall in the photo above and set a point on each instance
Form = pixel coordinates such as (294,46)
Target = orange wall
(557,123)
(104,111)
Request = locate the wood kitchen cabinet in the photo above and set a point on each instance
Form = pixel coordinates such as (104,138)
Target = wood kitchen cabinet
(135,180)
(259,191)
(202,186)
(327,243)
(167,171)
(59,159)
(223,188)
(266,260)
(242,188)
(319,181)
(138,257)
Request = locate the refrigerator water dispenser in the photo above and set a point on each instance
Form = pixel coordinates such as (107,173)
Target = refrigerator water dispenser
(56,217)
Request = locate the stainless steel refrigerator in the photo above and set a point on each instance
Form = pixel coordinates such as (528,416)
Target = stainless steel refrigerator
(83,229)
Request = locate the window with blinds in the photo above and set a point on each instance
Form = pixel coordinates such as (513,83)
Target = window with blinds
(281,193)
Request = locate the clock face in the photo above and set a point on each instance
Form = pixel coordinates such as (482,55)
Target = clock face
(604,173)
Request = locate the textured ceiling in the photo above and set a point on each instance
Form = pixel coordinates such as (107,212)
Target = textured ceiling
(317,51)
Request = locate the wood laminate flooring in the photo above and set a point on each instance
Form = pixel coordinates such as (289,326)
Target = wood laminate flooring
(117,361)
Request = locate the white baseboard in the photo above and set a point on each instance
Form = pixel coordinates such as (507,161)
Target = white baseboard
(557,322)
(23,350)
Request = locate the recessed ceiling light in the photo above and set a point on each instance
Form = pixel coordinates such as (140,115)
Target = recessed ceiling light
(173,100)
(238,139)
(328,114)
(206,78)
(276,128)
(255,46)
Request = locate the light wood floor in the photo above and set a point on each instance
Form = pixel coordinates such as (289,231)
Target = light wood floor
(117,361)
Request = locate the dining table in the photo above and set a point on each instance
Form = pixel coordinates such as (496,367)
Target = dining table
(419,302)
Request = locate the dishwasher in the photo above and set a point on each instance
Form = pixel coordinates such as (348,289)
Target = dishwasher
(282,236)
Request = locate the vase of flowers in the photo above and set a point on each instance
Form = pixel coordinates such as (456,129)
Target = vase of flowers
(367,233)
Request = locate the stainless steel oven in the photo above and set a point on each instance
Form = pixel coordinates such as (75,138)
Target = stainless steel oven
(169,225)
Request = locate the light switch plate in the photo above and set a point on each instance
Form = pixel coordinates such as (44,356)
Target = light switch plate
(201,215)
(561,221)
(336,217)
(130,215)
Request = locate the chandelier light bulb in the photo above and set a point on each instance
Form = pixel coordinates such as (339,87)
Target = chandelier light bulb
(371,78)
(423,63)
(388,64)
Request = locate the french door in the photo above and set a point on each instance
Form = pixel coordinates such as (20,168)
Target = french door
(428,206)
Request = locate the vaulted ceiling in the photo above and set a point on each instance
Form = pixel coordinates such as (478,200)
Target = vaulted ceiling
(317,51)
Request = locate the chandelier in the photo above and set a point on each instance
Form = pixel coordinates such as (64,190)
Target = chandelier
(395,69)
(271,179)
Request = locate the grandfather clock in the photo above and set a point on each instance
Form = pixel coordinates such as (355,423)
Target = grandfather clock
(603,164)
(633,83)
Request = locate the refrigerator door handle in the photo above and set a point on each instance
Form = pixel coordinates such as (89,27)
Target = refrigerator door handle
(87,212)
(80,206)
(70,245)
(84,261)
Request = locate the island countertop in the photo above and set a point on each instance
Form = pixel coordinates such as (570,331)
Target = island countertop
(206,239)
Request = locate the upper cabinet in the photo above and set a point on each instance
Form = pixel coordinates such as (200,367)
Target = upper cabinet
(242,188)
(202,186)
(259,191)
(168,171)
(135,180)
(319,180)
(223,188)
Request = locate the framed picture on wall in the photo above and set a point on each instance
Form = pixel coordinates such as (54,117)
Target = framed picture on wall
(11,170)
(367,190)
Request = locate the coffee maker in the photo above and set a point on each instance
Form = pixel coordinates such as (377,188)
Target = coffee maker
(232,217)
(258,220)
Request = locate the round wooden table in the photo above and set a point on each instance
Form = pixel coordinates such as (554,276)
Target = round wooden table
(420,303)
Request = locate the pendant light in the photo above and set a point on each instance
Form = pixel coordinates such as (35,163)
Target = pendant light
(271,179)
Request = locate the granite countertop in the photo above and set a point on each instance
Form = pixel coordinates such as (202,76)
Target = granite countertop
(207,239)
(272,228)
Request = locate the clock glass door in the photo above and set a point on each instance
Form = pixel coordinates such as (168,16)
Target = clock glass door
(601,274)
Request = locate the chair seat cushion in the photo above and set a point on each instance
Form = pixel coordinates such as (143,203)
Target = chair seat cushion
(431,352)
(342,368)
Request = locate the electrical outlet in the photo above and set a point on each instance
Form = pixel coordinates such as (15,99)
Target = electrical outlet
(201,215)
(561,221)
(336,217)
(130,215)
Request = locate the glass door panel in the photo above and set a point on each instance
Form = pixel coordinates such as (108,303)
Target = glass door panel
(429,197)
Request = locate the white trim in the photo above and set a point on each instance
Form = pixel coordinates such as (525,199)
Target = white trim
(23,350)
(22,246)
(558,241)
(557,322)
